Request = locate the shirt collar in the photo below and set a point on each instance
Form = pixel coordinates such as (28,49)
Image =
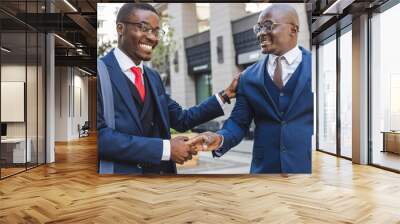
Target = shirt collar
(124,61)
(290,56)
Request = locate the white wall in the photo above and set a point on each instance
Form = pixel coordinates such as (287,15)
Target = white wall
(79,117)
(14,73)
(17,73)
(71,94)
(33,126)
(61,103)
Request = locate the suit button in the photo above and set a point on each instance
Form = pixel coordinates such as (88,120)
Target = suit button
(152,124)
(139,166)
(283,148)
(281,94)
(283,123)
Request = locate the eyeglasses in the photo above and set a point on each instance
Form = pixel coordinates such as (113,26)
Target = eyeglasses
(268,26)
(147,28)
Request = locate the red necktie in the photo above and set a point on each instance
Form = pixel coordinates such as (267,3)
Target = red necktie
(138,82)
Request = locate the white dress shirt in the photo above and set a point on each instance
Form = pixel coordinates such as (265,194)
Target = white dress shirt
(125,63)
(291,61)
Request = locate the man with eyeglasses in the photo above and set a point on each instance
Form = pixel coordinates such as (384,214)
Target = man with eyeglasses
(140,142)
(276,93)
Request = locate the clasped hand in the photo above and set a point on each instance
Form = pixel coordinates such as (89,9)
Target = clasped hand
(183,148)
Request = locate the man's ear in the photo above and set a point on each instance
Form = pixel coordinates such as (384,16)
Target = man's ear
(120,29)
(294,29)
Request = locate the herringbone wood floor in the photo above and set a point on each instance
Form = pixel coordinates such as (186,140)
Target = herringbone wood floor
(70,191)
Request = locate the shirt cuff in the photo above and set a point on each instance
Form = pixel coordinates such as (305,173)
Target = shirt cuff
(166,155)
(222,143)
(221,103)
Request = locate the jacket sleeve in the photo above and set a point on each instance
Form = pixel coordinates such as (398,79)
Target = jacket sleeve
(238,123)
(185,119)
(120,147)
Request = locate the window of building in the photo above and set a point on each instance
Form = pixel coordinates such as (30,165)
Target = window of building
(346,92)
(203,16)
(327,96)
(385,89)
(334,103)
(203,87)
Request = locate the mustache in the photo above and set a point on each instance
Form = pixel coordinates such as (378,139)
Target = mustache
(262,38)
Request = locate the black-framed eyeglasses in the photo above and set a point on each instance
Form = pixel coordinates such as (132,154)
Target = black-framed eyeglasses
(147,28)
(268,26)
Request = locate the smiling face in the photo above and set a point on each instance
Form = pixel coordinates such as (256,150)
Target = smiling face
(132,41)
(283,36)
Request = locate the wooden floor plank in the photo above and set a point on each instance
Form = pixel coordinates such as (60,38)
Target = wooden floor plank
(70,191)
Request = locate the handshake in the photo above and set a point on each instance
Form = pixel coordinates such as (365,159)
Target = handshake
(183,148)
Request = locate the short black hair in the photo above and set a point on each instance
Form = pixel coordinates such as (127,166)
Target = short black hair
(128,8)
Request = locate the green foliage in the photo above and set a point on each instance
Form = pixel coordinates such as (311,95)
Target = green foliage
(166,46)
(174,132)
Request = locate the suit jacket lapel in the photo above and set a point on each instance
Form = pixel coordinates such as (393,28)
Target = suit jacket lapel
(305,74)
(118,78)
(261,80)
(152,81)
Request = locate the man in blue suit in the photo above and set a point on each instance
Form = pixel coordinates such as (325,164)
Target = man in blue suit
(276,93)
(139,142)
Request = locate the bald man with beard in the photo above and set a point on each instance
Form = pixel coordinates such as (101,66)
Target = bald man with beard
(276,94)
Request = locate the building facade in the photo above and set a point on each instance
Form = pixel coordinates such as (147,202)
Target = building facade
(215,42)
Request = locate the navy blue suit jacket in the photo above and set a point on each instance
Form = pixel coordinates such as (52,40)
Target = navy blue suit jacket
(126,144)
(282,143)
